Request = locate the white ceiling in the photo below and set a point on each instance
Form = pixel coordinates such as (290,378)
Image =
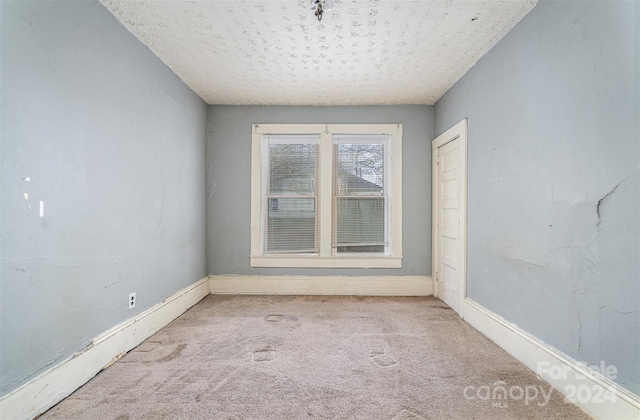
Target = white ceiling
(275,52)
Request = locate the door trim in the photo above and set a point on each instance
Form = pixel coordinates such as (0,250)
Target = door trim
(458,131)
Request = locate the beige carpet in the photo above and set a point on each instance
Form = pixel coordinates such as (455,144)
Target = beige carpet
(308,357)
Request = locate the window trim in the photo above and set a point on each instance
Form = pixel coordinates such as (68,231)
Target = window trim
(325,259)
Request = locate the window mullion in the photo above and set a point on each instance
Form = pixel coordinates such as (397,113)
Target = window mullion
(325,193)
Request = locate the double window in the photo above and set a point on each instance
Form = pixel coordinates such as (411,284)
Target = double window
(326,196)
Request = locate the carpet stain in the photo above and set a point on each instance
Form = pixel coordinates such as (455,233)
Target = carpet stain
(146,347)
(175,353)
(263,355)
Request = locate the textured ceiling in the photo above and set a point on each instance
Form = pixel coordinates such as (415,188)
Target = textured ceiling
(275,52)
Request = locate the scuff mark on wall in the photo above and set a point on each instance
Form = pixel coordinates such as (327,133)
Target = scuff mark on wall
(111,284)
(524,260)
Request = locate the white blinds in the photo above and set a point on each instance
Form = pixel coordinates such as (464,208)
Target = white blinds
(360,193)
(359,188)
(290,184)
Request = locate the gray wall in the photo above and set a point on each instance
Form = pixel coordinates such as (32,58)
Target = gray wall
(554,152)
(114,144)
(229,173)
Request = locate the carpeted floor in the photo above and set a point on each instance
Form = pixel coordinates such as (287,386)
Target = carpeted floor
(306,357)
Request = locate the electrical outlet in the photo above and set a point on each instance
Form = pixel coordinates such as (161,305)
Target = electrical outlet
(132,300)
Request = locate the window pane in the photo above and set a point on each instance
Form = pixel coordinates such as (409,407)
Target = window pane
(291,222)
(360,222)
(359,169)
(359,191)
(291,225)
(292,169)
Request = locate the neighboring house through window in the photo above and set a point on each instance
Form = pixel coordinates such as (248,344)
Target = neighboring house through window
(326,195)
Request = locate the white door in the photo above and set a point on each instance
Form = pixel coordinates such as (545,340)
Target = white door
(449,216)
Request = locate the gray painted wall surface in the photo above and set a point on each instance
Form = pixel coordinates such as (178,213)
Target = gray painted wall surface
(229,186)
(114,144)
(554,152)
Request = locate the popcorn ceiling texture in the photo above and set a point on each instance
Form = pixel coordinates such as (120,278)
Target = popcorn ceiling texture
(362,53)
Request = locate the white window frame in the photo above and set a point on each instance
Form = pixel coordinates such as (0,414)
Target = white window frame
(326,258)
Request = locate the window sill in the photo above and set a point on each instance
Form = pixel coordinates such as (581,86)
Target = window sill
(300,261)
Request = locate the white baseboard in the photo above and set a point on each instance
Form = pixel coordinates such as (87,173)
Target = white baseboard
(322,285)
(602,398)
(52,386)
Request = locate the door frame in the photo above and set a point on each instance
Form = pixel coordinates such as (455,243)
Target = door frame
(458,131)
